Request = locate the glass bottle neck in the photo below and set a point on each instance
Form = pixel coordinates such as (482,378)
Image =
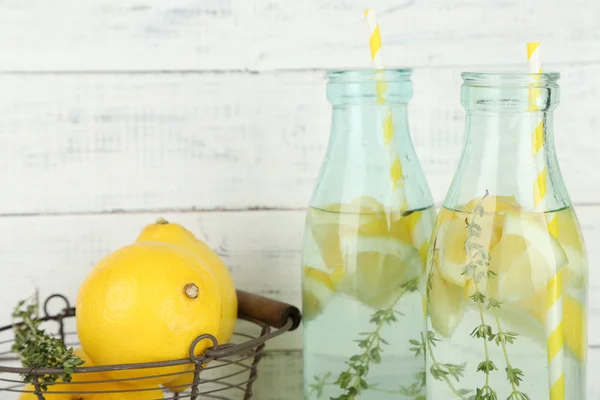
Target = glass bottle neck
(509,154)
(359,158)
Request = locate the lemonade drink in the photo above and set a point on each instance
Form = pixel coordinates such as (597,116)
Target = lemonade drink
(508,293)
(507,274)
(366,238)
(362,270)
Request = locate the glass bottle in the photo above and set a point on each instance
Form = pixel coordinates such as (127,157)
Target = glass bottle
(365,246)
(507,255)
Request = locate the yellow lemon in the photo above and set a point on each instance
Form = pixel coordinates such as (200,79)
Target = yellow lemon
(147,302)
(526,257)
(165,232)
(168,232)
(77,391)
(51,395)
(451,239)
(419,227)
(330,224)
(121,391)
(446,305)
(377,268)
(317,290)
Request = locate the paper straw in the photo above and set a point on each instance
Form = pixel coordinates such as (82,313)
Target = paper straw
(554,328)
(398,190)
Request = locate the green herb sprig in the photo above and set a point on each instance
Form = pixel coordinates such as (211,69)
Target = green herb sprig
(37,349)
(476,268)
(353,380)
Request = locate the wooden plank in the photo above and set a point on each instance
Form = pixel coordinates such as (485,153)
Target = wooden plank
(240,34)
(89,143)
(262,249)
(280,376)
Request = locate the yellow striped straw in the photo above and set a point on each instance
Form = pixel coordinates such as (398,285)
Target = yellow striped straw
(396,172)
(554,328)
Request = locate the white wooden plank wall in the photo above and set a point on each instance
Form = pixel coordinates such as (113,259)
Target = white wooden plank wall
(213,114)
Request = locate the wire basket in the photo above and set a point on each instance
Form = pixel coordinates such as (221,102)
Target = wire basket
(223,371)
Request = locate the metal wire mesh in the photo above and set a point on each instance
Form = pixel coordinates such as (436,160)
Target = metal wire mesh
(224,372)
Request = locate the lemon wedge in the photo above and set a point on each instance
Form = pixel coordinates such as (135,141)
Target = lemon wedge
(526,257)
(330,224)
(317,290)
(377,269)
(446,304)
(451,243)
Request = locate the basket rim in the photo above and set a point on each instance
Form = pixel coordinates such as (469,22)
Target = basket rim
(211,353)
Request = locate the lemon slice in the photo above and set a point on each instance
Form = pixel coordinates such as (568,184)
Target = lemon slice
(317,290)
(446,305)
(526,257)
(451,243)
(377,268)
(419,225)
(330,224)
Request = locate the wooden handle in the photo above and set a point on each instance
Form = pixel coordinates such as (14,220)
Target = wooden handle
(272,312)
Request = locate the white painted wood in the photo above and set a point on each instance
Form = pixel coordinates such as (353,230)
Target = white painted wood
(281,376)
(241,34)
(91,143)
(262,249)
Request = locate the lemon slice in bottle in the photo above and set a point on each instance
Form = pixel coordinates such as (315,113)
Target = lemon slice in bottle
(526,257)
(451,243)
(446,305)
(328,225)
(317,291)
(378,269)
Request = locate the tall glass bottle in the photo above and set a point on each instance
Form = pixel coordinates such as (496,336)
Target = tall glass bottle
(507,271)
(365,245)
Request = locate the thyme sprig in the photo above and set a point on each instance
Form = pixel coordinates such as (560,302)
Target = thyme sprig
(37,349)
(353,380)
(478,261)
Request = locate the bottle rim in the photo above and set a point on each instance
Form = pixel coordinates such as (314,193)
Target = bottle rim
(366,75)
(510,79)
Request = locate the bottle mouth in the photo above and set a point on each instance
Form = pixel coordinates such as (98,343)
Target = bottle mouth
(366,75)
(510,79)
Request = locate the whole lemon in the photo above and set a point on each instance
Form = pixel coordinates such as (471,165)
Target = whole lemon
(168,232)
(51,395)
(121,391)
(147,302)
(165,232)
(77,391)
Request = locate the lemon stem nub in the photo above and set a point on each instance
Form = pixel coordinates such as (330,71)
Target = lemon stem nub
(161,221)
(191,290)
